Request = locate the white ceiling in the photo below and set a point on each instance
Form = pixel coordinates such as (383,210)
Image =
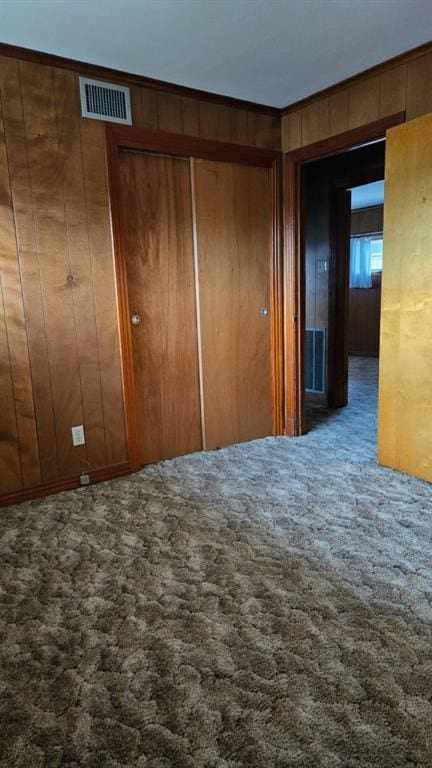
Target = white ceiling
(270,51)
(367,195)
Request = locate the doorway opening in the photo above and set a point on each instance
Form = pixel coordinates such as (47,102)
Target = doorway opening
(342,226)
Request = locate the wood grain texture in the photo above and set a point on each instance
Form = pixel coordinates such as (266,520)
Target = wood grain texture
(316,122)
(15,330)
(339,112)
(234,236)
(170,112)
(393,90)
(214,121)
(130,79)
(238,126)
(364,319)
(363,102)
(149,106)
(367,221)
(10,461)
(25,231)
(157,215)
(291,131)
(419,96)
(45,168)
(400,85)
(59,291)
(81,269)
(104,289)
(405,394)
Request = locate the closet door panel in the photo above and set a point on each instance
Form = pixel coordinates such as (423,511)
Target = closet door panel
(233,205)
(158,232)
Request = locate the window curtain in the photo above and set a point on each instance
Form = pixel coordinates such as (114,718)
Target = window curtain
(360,263)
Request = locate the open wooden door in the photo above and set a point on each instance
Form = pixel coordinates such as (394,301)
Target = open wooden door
(405,387)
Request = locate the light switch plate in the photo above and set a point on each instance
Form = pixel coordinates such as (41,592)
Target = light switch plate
(78,436)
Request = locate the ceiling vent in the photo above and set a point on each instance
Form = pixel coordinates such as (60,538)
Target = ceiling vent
(105,101)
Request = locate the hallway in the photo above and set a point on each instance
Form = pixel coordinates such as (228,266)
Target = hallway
(354,426)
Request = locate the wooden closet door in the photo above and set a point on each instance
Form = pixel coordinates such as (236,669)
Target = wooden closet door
(157,224)
(234,250)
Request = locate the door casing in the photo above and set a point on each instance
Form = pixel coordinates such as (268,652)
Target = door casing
(145,140)
(294,261)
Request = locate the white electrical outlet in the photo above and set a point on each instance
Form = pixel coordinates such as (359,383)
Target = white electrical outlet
(78,436)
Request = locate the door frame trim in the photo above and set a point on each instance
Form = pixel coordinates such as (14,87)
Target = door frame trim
(178,145)
(294,262)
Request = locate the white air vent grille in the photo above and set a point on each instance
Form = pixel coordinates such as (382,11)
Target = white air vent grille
(105,101)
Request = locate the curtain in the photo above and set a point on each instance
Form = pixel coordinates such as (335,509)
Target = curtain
(360,263)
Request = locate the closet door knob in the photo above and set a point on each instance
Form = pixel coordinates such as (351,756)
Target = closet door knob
(135,319)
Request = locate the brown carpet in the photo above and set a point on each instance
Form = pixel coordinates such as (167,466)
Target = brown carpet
(264,606)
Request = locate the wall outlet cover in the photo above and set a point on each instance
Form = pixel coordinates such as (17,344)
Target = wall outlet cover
(78,435)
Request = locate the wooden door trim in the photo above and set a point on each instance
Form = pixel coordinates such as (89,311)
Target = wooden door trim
(180,145)
(145,140)
(294,266)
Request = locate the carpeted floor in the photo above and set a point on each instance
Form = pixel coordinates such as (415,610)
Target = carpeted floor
(264,606)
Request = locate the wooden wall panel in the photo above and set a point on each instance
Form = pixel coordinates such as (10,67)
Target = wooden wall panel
(191,117)
(367,221)
(29,266)
(15,330)
(393,91)
(339,112)
(60,361)
(11,472)
(401,86)
(149,107)
(364,319)
(363,102)
(238,124)
(316,121)
(170,112)
(99,233)
(45,168)
(405,397)
(419,95)
(80,275)
(214,121)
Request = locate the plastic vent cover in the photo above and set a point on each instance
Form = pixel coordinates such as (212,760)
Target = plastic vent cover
(105,101)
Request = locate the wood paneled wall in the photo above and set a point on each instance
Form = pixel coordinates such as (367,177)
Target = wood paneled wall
(404,86)
(367,221)
(365,303)
(60,360)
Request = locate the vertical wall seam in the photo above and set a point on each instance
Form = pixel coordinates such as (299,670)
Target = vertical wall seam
(197,302)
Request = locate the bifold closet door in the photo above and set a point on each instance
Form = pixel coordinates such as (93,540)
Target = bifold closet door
(158,232)
(234,233)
